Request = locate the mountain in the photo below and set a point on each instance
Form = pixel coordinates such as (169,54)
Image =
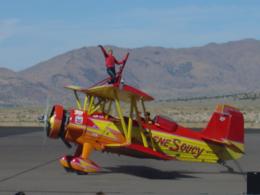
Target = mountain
(16,90)
(163,72)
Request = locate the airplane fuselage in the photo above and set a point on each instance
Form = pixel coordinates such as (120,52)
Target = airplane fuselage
(179,144)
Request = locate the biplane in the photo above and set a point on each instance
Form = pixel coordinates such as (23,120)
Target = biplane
(113,118)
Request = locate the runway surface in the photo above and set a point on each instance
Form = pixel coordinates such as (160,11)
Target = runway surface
(29,163)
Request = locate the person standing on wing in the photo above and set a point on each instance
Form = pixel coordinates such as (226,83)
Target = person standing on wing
(110,61)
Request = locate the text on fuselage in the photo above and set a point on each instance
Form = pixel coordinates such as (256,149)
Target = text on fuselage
(177,145)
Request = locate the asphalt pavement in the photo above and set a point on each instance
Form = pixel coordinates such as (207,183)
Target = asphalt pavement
(29,163)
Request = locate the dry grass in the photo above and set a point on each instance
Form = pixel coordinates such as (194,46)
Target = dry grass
(191,113)
(197,113)
(20,116)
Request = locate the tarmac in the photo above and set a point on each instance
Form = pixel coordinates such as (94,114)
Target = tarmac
(29,163)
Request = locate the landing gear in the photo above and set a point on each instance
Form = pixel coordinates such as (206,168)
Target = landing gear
(68,170)
(67,166)
(223,163)
(79,163)
(81,173)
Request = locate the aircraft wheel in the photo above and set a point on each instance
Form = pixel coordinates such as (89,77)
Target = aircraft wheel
(68,170)
(81,173)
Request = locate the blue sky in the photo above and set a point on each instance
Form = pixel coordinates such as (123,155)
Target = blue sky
(35,30)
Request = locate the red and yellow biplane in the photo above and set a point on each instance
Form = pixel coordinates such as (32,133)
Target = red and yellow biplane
(113,118)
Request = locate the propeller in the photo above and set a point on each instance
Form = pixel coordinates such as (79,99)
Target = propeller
(48,122)
(62,131)
(45,117)
(44,120)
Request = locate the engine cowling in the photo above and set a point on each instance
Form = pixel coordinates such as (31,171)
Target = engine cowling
(56,122)
(67,125)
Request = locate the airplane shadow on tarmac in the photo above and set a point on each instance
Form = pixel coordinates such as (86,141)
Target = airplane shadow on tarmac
(145,172)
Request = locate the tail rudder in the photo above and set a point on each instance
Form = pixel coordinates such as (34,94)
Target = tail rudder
(226,127)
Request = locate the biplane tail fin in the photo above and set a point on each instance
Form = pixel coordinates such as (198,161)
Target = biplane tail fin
(226,128)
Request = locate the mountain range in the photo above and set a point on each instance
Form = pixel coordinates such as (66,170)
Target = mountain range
(212,69)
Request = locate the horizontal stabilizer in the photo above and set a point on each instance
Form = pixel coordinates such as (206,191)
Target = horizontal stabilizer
(224,142)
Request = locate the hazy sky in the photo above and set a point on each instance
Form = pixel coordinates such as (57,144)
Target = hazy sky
(35,30)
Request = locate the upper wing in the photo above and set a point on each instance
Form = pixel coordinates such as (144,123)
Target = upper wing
(124,92)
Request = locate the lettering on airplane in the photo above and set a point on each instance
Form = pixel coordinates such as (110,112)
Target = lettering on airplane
(178,145)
